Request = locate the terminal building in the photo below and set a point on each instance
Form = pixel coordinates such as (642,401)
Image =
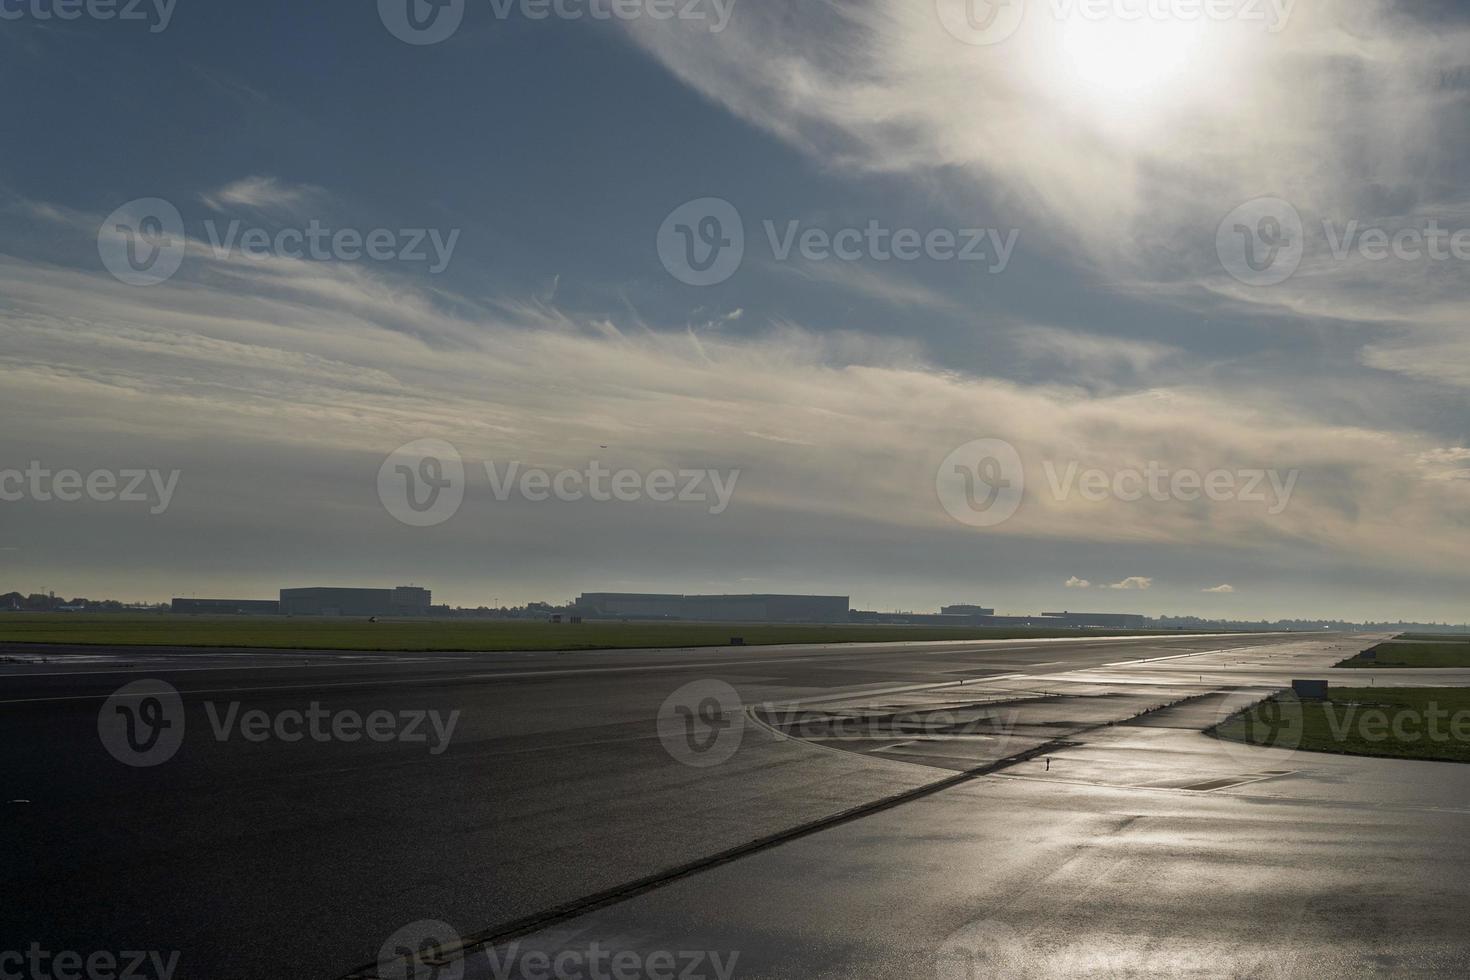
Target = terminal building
(714,608)
(406,600)
(1111,621)
(227,607)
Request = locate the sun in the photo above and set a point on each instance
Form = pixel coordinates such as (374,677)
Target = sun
(1129,61)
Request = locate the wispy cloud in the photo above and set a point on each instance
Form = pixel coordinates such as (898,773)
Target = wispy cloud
(340,361)
(263,194)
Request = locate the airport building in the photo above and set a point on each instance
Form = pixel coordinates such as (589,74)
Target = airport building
(405,600)
(966,610)
(714,608)
(1112,621)
(227,607)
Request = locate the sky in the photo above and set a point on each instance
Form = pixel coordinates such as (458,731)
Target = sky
(1075,304)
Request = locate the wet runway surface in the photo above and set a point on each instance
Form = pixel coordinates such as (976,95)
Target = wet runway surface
(1131,843)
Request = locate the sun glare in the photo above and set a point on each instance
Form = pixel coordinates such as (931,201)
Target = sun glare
(1129,61)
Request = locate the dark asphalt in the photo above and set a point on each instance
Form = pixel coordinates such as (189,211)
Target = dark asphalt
(272,859)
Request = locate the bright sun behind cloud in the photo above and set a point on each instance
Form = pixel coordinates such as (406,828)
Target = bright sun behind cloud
(1130,61)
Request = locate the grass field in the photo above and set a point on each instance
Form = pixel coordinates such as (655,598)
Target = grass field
(1394,654)
(1429,723)
(458,635)
(1448,637)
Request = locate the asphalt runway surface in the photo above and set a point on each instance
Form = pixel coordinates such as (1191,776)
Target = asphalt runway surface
(1000,808)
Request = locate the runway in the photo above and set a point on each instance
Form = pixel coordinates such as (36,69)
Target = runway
(567,776)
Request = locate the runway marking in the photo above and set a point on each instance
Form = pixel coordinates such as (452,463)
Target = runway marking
(732,666)
(590,903)
(1184,792)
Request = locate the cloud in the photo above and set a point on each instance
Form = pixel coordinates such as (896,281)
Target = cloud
(263,194)
(1088,354)
(1221,590)
(1078,583)
(1452,463)
(1134,583)
(347,362)
(1453,454)
(1331,110)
